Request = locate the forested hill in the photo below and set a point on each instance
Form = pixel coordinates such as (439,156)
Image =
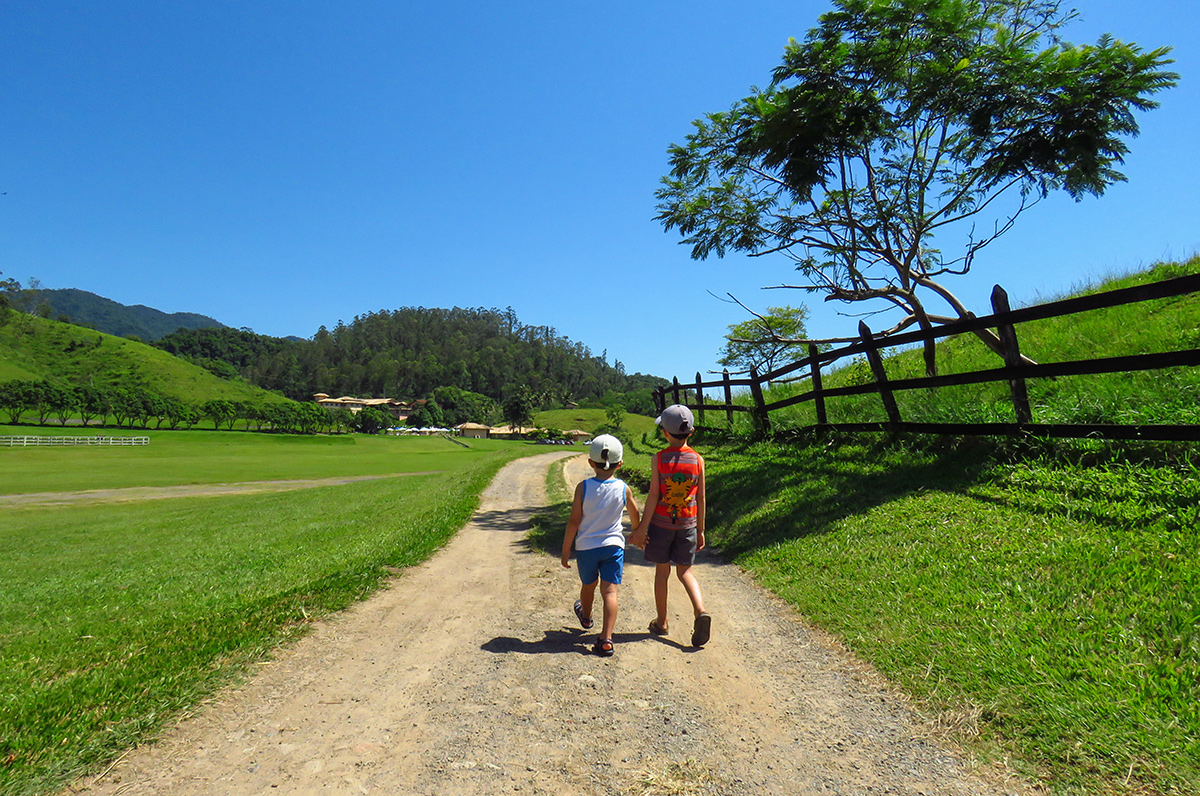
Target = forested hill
(409,352)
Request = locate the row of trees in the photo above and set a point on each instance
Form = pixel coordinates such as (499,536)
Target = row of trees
(138,407)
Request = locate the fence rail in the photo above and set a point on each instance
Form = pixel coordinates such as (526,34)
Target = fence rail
(43,441)
(1016,371)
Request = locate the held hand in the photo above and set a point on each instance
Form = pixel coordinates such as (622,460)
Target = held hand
(638,539)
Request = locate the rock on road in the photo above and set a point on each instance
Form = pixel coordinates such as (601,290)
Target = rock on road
(470,675)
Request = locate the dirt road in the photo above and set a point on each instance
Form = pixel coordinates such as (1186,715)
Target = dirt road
(470,675)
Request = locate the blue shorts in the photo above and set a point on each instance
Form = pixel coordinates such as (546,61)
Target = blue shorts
(606,563)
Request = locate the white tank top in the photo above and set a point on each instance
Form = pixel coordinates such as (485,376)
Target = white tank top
(603,507)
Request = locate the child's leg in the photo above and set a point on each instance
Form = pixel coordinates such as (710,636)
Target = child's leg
(587,595)
(662,577)
(608,593)
(688,579)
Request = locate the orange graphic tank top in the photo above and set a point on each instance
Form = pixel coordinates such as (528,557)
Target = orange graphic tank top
(678,473)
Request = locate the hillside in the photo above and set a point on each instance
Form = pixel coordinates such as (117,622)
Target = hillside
(38,348)
(105,315)
(409,352)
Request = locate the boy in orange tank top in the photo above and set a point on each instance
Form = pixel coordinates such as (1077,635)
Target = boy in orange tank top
(672,526)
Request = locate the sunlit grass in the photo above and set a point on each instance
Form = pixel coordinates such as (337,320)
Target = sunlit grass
(209,457)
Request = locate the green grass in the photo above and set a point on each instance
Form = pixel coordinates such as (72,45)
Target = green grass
(116,617)
(1051,602)
(592,420)
(38,348)
(209,457)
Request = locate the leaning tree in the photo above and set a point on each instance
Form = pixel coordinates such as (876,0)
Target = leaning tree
(897,123)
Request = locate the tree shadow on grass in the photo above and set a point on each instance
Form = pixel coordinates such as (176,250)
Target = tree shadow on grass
(768,493)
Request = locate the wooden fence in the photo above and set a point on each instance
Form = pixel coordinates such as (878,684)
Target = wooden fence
(40,441)
(1004,321)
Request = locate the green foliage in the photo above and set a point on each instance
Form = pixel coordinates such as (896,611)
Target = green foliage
(894,122)
(427,415)
(371,420)
(763,342)
(9,288)
(639,401)
(18,397)
(518,407)
(415,351)
(462,406)
(1048,596)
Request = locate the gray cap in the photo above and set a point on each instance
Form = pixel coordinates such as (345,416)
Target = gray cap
(606,450)
(677,420)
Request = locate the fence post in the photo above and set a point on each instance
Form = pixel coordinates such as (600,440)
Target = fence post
(675,389)
(762,422)
(818,396)
(1012,357)
(728,398)
(699,397)
(659,402)
(881,380)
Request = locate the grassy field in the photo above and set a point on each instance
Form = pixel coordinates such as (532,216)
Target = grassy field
(210,457)
(591,420)
(116,617)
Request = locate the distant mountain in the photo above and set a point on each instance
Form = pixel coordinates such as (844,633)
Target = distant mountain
(105,315)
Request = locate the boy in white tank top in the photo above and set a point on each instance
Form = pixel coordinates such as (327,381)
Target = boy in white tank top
(594,530)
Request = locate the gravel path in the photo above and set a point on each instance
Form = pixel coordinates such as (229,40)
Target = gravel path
(470,675)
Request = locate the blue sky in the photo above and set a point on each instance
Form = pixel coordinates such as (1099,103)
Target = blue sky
(286,165)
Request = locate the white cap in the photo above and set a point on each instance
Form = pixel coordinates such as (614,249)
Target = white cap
(606,450)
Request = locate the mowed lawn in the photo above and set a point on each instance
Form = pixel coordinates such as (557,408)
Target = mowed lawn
(114,617)
(212,457)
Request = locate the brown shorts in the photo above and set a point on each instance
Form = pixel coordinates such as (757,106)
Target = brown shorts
(671,545)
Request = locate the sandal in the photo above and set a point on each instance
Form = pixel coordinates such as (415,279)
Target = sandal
(603,647)
(583,621)
(657,629)
(701,630)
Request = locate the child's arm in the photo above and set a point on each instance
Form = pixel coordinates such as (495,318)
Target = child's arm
(638,537)
(701,505)
(573,525)
(635,519)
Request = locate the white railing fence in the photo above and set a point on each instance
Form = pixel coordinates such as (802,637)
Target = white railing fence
(41,441)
